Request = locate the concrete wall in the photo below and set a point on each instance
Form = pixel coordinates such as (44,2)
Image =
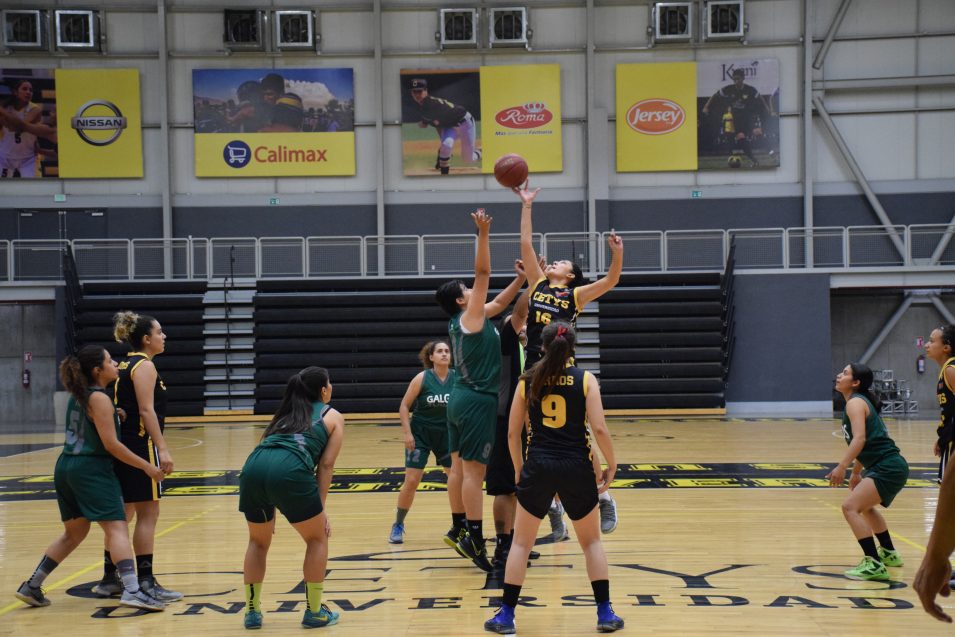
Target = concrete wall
(27,328)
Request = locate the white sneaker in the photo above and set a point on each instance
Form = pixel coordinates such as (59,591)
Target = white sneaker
(557,527)
(141,599)
(608,515)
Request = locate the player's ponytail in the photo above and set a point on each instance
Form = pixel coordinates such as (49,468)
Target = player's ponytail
(558,340)
(294,415)
(131,328)
(76,372)
(863,374)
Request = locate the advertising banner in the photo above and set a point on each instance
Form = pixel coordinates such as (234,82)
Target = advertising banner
(28,124)
(274,122)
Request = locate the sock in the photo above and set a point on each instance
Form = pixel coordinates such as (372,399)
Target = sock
(476,529)
(601,590)
(144,564)
(604,496)
(44,568)
(868,547)
(253,597)
(512,593)
(313,595)
(400,515)
(885,540)
(504,540)
(458,520)
(127,573)
(109,569)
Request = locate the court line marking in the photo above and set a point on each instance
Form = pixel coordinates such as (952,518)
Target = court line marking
(83,571)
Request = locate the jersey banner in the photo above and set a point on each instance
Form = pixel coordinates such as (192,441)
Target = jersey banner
(28,148)
(101,121)
(656,117)
(460,121)
(274,122)
(522,104)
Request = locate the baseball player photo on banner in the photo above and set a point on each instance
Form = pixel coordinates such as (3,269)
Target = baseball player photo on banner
(274,122)
(441,122)
(522,115)
(738,101)
(656,117)
(27,124)
(104,137)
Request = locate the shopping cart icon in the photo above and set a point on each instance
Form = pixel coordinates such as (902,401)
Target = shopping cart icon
(238,155)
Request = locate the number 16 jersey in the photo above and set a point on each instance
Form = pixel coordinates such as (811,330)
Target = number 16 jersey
(548,303)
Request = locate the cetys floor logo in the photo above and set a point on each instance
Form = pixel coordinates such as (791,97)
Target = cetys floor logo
(237,154)
(98,122)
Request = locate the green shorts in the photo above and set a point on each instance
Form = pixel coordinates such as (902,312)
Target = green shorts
(472,417)
(428,439)
(87,487)
(889,475)
(275,477)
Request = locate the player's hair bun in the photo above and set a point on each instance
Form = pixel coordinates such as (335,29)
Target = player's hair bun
(124,323)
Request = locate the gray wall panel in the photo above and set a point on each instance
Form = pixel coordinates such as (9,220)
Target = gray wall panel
(284,221)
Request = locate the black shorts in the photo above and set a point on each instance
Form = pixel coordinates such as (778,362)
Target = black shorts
(499,479)
(572,479)
(136,485)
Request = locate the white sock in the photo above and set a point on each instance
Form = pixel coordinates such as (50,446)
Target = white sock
(605,496)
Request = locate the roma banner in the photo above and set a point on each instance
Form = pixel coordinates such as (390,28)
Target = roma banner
(274,122)
(521,106)
(656,117)
(105,137)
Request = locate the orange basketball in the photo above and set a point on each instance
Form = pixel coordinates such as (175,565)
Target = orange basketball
(510,170)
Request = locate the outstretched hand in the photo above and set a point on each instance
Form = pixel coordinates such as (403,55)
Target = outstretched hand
(526,194)
(615,242)
(481,220)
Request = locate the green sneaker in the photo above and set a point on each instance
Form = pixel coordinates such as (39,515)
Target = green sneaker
(324,617)
(868,569)
(891,558)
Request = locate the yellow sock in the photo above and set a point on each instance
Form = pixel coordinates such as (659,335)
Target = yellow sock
(253,597)
(313,595)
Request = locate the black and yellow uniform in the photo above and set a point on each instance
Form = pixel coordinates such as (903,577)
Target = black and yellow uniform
(137,486)
(500,469)
(946,425)
(880,457)
(547,304)
(559,457)
(429,421)
(441,113)
(472,408)
(280,472)
(86,486)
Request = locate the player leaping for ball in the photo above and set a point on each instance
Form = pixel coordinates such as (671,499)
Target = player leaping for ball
(450,120)
(558,293)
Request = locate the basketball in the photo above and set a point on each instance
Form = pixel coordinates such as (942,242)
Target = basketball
(510,171)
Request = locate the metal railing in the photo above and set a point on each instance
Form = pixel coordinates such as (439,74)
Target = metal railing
(827,248)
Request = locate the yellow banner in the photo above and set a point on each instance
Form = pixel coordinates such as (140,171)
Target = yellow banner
(656,117)
(99,123)
(520,113)
(275,154)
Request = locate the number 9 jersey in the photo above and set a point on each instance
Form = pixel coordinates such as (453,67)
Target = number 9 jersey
(548,304)
(559,421)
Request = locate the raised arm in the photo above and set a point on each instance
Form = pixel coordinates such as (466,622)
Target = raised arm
(528,254)
(591,291)
(474,315)
(503,299)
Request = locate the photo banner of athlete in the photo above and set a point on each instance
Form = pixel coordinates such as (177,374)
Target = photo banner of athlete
(459,121)
(28,124)
(274,122)
(99,112)
(522,115)
(656,117)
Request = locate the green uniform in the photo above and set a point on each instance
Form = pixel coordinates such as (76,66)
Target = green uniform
(429,421)
(472,408)
(880,457)
(280,472)
(86,486)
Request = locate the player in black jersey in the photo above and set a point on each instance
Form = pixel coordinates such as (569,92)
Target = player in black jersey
(744,106)
(941,349)
(558,399)
(141,393)
(559,292)
(452,122)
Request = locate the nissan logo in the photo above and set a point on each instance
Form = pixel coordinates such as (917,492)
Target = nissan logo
(83,122)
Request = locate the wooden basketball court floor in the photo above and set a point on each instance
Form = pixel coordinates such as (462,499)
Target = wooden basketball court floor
(726,528)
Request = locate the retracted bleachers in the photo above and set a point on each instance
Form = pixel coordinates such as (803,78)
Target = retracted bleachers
(178,307)
(367,333)
(664,342)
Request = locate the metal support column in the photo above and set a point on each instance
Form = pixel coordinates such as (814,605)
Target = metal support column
(831,34)
(946,314)
(380,141)
(808,220)
(592,155)
(886,329)
(164,180)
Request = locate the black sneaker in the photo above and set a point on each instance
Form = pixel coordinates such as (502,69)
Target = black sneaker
(32,596)
(477,554)
(152,587)
(451,539)
(534,555)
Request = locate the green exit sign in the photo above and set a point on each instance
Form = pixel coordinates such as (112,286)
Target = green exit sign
(696,194)
(274,201)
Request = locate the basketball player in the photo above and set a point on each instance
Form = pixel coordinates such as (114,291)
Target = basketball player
(935,573)
(87,489)
(559,399)
(426,430)
(472,408)
(291,469)
(450,120)
(885,473)
(744,106)
(559,292)
(940,349)
(18,156)
(141,393)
